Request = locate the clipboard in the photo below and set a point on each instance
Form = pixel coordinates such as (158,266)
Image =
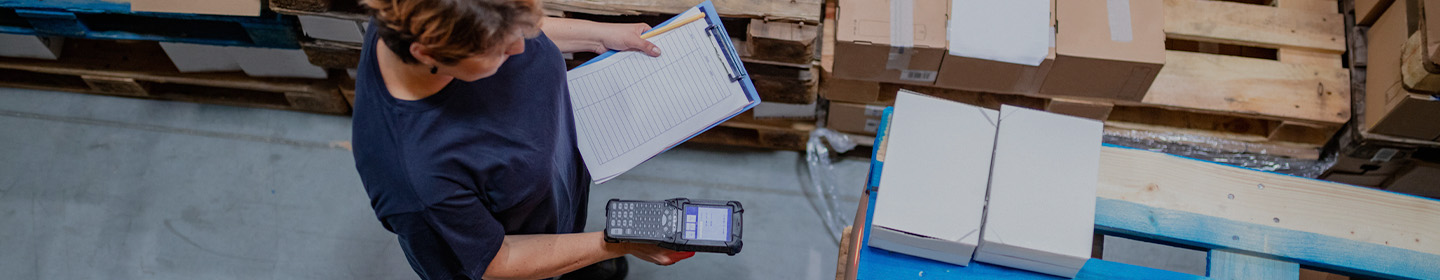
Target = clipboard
(722,50)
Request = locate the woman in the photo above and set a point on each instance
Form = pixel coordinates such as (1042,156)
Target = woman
(465,140)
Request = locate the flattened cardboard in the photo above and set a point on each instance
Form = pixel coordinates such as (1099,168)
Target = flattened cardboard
(30,46)
(1041,210)
(863,46)
(285,63)
(1089,62)
(333,29)
(199,58)
(933,185)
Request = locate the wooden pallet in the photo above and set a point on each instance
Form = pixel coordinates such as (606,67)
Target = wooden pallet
(746,131)
(1296,78)
(1254,225)
(268,30)
(141,69)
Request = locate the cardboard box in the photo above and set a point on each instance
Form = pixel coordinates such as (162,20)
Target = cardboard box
(854,118)
(1422,179)
(1373,181)
(853,91)
(866,49)
(1080,108)
(29,46)
(1098,54)
(207,7)
(1367,11)
(975,74)
(1041,210)
(1390,109)
(934,181)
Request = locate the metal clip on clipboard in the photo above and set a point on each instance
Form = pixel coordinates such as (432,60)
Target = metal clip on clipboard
(715,31)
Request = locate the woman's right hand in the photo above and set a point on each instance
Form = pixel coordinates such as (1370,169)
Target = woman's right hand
(655,254)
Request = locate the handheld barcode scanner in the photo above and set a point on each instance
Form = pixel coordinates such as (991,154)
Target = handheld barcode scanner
(677,224)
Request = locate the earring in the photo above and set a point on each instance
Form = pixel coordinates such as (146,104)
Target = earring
(433,69)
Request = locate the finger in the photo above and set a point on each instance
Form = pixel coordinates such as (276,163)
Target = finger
(678,256)
(643,27)
(645,46)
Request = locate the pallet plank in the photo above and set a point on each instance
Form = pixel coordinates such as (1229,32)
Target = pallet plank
(1319,6)
(1226,265)
(1254,25)
(1312,58)
(1252,87)
(1312,222)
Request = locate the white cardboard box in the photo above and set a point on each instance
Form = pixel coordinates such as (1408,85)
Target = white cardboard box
(937,164)
(29,46)
(1041,211)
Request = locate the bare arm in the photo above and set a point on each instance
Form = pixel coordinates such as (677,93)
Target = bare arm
(576,35)
(538,256)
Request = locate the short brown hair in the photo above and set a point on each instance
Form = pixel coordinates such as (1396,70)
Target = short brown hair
(451,29)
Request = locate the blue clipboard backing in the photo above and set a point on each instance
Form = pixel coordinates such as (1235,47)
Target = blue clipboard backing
(712,18)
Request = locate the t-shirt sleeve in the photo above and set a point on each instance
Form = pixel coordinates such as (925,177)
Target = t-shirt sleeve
(467,227)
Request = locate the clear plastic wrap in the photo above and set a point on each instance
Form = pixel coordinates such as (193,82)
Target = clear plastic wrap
(823,181)
(1259,157)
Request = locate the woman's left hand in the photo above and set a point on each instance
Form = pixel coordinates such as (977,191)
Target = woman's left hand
(625,37)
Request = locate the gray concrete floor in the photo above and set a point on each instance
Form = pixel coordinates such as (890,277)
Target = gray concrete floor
(96,187)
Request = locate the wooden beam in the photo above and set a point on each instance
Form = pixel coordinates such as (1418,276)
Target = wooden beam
(1308,57)
(1311,222)
(1226,265)
(1254,25)
(1252,87)
(1319,6)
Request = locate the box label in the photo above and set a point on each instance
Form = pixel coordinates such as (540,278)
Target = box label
(917,75)
(1384,155)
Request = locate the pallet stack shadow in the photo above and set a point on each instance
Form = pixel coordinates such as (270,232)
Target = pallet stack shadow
(1229,76)
(1391,143)
(232,53)
(776,40)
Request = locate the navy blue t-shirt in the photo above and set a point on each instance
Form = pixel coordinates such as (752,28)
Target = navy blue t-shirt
(453,173)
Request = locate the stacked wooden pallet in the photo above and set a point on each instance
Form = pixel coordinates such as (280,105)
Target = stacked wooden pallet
(110,48)
(106,20)
(142,69)
(776,40)
(1258,78)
